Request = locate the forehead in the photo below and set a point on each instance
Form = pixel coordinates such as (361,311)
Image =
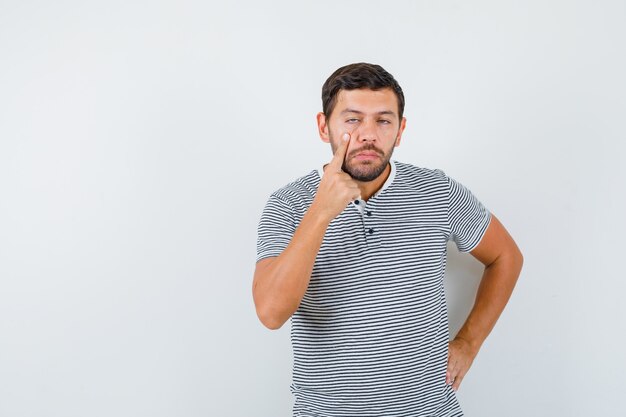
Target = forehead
(367,101)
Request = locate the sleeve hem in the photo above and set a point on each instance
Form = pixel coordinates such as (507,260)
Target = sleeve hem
(479,236)
(266,255)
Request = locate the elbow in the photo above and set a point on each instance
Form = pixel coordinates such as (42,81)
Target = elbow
(272,325)
(511,260)
(519,259)
(514,262)
(272,310)
(270,319)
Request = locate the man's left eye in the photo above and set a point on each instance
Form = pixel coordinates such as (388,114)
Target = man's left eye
(383,121)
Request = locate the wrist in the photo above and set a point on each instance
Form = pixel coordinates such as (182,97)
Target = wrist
(470,343)
(318,215)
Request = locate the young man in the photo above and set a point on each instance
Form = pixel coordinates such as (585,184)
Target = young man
(355,254)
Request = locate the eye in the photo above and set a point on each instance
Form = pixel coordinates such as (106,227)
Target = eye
(352,120)
(384,121)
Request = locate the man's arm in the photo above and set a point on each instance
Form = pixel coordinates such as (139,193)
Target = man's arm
(280,282)
(503,263)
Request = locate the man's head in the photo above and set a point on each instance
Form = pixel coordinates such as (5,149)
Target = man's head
(365,101)
(359,76)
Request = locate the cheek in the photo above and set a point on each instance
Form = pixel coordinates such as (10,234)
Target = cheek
(388,134)
(335,130)
(351,128)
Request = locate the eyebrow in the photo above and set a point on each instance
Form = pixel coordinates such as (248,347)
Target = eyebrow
(360,112)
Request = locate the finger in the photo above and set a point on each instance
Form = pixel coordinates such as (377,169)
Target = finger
(453,372)
(450,371)
(451,377)
(457,382)
(350,183)
(340,153)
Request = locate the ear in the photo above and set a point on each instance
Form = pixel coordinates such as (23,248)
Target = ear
(400,130)
(322,127)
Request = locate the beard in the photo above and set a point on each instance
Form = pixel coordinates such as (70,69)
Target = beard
(367,170)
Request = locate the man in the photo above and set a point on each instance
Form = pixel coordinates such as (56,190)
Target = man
(355,254)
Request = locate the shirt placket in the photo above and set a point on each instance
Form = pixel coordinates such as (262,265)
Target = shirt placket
(370,228)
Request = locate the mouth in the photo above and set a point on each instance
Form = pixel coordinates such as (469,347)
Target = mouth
(366,156)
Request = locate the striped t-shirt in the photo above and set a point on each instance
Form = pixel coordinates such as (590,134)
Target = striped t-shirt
(370,337)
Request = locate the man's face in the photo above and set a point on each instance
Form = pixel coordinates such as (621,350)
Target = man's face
(371,118)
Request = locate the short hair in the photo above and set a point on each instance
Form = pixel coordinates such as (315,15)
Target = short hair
(355,76)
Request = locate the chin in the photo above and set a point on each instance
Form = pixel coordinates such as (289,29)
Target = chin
(365,172)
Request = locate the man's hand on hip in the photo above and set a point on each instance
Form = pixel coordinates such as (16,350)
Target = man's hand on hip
(460,358)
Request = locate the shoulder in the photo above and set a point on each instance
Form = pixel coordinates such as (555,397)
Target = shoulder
(411,175)
(301,190)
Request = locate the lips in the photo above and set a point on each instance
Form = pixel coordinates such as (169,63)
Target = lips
(366,155)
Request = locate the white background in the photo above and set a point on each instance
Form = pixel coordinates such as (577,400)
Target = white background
(139,142)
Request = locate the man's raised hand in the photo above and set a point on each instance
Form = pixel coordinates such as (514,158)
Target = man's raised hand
(337,189)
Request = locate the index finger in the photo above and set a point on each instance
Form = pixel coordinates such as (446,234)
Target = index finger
(340,153)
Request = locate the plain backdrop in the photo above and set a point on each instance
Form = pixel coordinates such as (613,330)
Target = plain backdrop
(140,140)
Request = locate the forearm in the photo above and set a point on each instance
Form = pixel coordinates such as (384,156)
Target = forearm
(280,284)
(493,293)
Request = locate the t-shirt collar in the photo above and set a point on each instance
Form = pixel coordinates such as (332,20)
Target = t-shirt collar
(390,178)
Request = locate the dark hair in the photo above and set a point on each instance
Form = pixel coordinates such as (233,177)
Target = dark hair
(360,75)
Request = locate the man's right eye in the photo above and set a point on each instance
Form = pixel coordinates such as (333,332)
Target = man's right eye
(352,120)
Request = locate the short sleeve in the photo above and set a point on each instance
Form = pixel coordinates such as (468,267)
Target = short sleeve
(276,228)
(468,217)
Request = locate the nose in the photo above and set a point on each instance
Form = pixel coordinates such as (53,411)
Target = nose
(366,131)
